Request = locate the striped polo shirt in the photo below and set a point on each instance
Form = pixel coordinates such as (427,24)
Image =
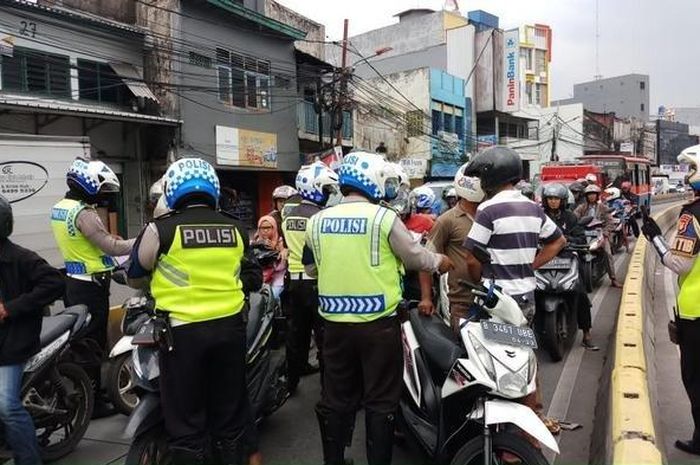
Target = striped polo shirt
(510,226)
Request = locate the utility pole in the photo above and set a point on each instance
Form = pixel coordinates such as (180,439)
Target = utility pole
(337,115)
(597,44)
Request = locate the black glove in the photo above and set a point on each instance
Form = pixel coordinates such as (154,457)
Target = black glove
(650,228)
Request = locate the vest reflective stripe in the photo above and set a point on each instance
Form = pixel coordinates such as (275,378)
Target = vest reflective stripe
(79,254)
(199,283)
(359,277)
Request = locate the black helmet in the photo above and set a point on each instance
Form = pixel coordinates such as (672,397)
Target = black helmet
(6,221)
(555,190)
(496,167)
(576,187)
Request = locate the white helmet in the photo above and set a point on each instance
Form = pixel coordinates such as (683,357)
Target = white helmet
(283,192)
(468,187)
(404,180)
(591,178)
(369,174)
(691,156)
(92,177)
(612,193)
(423,197)
(449,192)
(316,182)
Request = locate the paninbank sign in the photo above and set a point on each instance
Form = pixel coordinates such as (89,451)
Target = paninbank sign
(511,70)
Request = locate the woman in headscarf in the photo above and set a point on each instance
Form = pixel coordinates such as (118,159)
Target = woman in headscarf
(267,236)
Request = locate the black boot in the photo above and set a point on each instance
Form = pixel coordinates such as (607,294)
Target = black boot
(336,432)
(380,437)
(186,456)
(229,452)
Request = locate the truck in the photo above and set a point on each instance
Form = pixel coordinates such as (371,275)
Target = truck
(33,178)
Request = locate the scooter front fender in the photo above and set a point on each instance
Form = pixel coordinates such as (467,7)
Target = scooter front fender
(501,411)
(122,346)
(146,415)
(550,302)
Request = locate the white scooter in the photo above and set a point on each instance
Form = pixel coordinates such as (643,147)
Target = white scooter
(460,394)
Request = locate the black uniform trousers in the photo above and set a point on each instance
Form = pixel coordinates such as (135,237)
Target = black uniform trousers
(363,365)
(95,295)
(204,391)
(689,344)
(301,300)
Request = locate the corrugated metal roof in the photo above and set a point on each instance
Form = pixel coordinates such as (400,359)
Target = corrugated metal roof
(133,79)
(75,14)
(51,106)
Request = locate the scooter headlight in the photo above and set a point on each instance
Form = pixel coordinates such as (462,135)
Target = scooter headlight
(484,356)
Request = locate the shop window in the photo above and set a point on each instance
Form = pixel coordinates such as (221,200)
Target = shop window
(437,122)
(34,72)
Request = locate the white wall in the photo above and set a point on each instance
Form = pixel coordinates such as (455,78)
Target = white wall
(460,61)
(371,127)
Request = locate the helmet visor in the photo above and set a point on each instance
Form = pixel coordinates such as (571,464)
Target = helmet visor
(391,188)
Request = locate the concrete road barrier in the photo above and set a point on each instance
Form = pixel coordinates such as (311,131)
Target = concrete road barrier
(632,434)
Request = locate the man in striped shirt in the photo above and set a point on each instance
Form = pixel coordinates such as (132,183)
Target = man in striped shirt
(510,227)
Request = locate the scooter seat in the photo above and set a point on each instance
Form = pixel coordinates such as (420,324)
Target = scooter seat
(437,340)
(256,305)
(53,326)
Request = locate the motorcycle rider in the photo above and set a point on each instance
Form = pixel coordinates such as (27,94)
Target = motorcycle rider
(449,195)
(362,345)
(554,199)
(510,227)
(279,200)
(577,189)
(595,208)
(200,269)
(87,248)
(526,189)
(421,221)
(315,183)
(681,257)
(626,188)
(447,237)
(27,285)
(616,204)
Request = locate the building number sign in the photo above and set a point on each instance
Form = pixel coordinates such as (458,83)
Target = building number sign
(27,28)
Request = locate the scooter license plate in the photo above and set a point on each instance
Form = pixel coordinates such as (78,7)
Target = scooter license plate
(509,334)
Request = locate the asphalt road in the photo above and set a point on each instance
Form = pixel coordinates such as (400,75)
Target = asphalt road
(570,389)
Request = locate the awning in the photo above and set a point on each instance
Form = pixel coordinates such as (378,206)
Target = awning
(133,79)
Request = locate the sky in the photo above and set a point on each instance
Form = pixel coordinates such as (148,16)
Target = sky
(658,38)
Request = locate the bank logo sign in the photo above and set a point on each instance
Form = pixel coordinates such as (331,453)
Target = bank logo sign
(511,70)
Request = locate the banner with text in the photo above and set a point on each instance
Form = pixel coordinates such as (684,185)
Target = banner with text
(241,147)
(511,70)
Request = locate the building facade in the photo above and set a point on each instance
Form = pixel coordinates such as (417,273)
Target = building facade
(535,58)
(627,96)
(672,138)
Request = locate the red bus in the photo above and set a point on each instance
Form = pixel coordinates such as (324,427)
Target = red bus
(617,168)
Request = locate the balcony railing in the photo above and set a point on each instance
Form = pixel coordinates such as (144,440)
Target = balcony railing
(307,119)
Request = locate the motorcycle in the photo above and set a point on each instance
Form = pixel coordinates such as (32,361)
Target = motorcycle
(267,386)
(556,319)
(619,219)
(459,397)
(56,390)
(593,258)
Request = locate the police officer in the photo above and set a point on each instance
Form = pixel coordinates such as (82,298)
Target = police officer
(87,248)
(682,258)
(200,270)
(315,184)
(357,248)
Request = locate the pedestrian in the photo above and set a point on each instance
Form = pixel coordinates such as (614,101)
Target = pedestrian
(27,285)
(315,184)
(268,238)
(554,203)
(510,227)
(682,258)
(447,237)
(596,209)
(88,250)
(201,269)
(358,249)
